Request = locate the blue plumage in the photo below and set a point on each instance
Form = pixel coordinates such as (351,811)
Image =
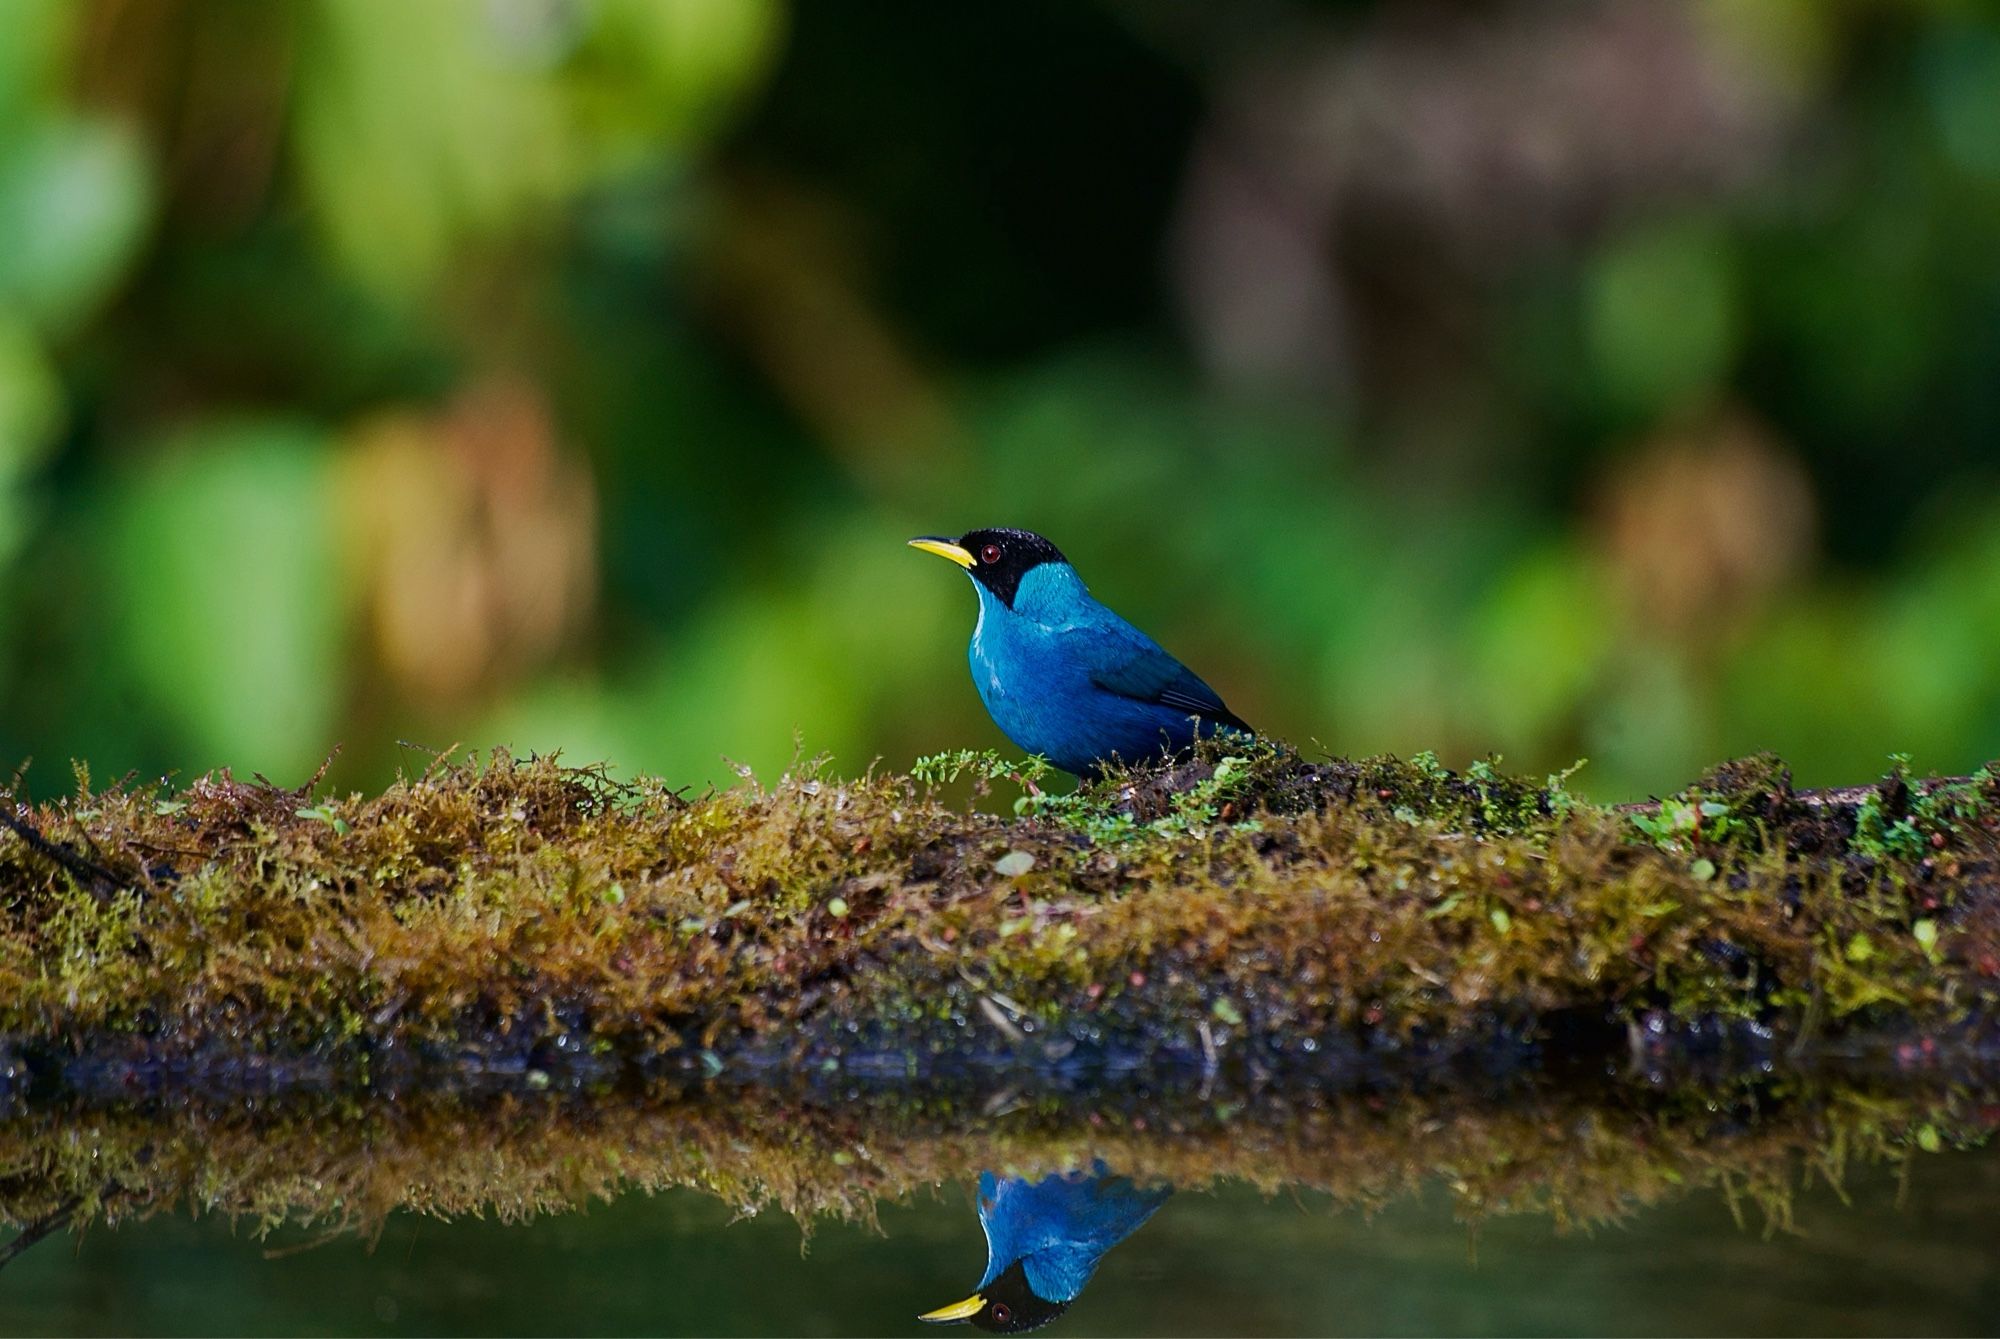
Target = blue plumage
(1059,1227)
(1043,1242)
(1062,675)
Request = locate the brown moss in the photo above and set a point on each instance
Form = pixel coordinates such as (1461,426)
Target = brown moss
(1212,906)
(1583,1156)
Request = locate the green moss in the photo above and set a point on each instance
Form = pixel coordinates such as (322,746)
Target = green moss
(504,902)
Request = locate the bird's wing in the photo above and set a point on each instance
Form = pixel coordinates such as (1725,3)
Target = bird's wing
(1016,1221)
(1128,662)
(1060,1226)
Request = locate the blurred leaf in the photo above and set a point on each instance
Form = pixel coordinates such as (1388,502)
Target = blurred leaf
(222,563)
(1962,80)
(31,411)
(1647,728)
(653,70)
(1661,317)
(417,134)
(1539,644)
(862,633)
(1793,43)
(31,403)
(1804,686)
(35,30)
(1871,299)
(75,199)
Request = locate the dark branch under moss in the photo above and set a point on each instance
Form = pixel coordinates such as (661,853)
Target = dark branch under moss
(1255,909)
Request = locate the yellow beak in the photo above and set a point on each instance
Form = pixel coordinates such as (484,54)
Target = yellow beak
(967,1309)
(943,548)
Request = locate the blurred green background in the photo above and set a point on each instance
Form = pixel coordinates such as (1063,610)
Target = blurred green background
(1557,379)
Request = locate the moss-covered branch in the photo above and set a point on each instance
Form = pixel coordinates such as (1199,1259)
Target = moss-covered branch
(1259,910)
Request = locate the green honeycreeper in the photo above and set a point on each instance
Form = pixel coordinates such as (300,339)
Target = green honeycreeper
(1061,674)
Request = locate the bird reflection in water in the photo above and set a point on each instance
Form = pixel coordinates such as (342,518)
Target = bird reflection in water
(1043,1241)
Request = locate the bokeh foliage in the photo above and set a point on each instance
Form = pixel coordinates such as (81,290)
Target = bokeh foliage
(1610,380)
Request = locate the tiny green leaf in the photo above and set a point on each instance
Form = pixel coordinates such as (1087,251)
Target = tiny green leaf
(1014,864)
(1501,920)
(1703,869)
(325,815)
(1225,1009)
(837,907)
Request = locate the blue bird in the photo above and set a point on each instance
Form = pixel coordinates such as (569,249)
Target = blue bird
(1043,1241)
(1061,674)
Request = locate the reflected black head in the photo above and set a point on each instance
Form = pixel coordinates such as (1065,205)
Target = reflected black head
(1000,558)
(1011,1305)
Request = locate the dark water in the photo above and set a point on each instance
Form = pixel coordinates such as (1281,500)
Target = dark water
(1904,1244)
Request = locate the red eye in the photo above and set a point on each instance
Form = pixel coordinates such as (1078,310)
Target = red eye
(1002,1313)
(990,554)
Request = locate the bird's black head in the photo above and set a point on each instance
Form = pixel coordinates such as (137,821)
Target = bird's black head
(1007,1305)
(997,559)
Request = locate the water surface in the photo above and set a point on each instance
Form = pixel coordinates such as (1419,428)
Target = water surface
(1779,1206)
(1234,1261)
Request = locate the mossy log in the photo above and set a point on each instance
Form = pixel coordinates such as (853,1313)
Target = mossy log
(1261,913)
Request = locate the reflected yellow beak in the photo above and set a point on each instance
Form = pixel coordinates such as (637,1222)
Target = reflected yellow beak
(969,1308)
(943,548)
